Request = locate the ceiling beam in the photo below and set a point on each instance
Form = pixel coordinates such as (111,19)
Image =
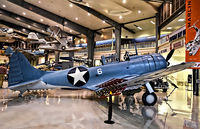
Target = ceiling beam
(52,16)
(21,28)
(127,23)
(102,17)
(159,1)
(173,16)
(29,21)
(24,20)
(147,18)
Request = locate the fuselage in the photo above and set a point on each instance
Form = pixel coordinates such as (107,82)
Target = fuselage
(82,77)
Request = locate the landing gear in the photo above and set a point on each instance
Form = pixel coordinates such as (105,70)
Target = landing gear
(109,121)
(149,99)
(63,47)
(20,95)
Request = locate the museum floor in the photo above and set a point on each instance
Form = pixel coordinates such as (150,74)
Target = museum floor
(64,109)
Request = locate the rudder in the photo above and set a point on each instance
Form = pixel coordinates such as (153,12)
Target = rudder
(21,70)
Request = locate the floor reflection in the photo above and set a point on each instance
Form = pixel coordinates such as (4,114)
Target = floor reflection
(75,110)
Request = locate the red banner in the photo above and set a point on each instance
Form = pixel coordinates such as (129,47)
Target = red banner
(193,32)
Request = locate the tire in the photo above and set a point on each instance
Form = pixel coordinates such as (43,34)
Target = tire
(164,90)
(149,99)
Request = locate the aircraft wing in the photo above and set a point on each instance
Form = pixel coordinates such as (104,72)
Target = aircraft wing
(53,42)
(117,85)
(143,79)
(70,49)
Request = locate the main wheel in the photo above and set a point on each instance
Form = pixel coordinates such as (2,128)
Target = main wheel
(164,90)
(149,99)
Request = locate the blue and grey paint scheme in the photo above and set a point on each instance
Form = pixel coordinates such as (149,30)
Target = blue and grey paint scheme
(22,76)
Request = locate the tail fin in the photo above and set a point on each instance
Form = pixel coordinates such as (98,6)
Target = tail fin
(32,35)
(21,70)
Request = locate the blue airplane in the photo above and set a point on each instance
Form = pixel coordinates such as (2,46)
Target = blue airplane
(109,78)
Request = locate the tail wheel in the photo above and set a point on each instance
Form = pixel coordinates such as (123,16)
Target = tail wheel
(149,99)
(63,47)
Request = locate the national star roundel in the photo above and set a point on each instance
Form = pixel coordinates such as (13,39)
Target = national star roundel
(78,76)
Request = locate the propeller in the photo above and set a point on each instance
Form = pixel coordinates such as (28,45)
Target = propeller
(169,55)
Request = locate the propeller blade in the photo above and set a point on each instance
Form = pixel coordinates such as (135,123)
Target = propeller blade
(169,55)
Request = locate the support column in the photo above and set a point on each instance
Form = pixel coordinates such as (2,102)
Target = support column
(195,74)
(90,47)
(57,56)
(46,55)
(157,31)
(71,54)
(118,41)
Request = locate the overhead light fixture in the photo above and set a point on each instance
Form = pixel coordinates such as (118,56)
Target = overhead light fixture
(71,5)
(24,13)
(88,14)
(43,31)
(120,17)
(103,21)
(180,20)
(70,31)
(169,28)
(87,4)
(152,22)
(76,18)
(29,26)
(139,11)
(140,28)
(106,11)
(3,5)
(124,1)
(39,1)
(23,30)
(18,18)
(65,23)
(102,35)
(41,20)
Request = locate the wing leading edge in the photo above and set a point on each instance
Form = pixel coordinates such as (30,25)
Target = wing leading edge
(117,85)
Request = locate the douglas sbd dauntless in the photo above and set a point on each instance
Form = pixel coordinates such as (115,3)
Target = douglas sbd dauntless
(113,77)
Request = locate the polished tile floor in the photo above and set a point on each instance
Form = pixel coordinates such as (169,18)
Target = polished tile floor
(63,109)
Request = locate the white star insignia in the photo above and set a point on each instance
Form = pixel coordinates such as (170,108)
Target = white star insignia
(78,76)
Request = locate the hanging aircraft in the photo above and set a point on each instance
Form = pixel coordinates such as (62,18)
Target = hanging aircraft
(58,44)
(109,78)
(9,35)
(6,30)
(33,39)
